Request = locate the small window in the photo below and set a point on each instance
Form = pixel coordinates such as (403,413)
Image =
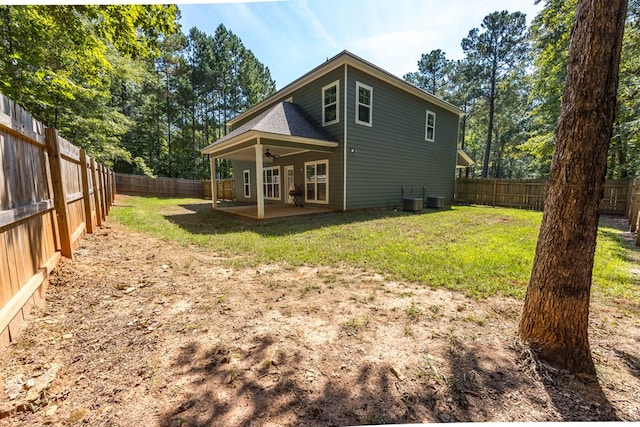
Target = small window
(430,129)
(330,110)
(246,177)
(364,104)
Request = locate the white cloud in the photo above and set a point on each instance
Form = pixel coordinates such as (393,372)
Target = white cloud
(397,52)
(314,25)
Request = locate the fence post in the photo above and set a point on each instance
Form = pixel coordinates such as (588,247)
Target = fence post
(96,194)
(633,212)
(103,210)
(114,189)
(59,193)
(88,220)
(495,189)
(627,206)
(107,191)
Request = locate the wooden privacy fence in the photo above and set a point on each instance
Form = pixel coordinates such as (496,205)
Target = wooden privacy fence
(529,194)
(140,185)
(51,192)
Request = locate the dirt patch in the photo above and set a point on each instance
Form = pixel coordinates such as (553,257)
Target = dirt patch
(144,332)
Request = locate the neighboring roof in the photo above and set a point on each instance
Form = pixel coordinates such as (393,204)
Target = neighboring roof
(346,57)
(284,120)
(463,160)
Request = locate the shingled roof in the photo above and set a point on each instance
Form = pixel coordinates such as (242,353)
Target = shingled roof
(283,118)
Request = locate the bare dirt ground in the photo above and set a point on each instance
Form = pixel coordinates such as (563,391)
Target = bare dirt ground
(136,331)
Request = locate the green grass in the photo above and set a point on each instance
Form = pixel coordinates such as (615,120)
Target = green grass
(478,250)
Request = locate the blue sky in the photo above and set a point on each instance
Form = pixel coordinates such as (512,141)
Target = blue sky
(293,36)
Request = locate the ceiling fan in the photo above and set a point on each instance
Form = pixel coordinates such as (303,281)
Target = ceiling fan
(268,155)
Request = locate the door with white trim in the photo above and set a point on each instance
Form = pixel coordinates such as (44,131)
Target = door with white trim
(290,182)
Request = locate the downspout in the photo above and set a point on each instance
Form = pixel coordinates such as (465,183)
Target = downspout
(344,145)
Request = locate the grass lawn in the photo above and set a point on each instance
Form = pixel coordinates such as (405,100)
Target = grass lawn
(480,251)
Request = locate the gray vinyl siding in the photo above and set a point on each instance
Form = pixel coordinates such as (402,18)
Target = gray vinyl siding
(239,167)
(310,99)
(393,152)
(390,156)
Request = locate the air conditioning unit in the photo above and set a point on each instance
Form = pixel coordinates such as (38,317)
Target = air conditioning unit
(412,204)
(435,202)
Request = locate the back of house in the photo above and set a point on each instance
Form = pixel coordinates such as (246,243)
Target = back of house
(349,134)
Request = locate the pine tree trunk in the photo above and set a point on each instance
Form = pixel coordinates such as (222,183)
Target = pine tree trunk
(556,310)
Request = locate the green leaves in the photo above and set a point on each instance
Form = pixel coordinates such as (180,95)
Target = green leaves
(58,63)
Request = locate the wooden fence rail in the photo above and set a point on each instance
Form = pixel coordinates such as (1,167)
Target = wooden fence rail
(529,194)
(51,193)
(139,185)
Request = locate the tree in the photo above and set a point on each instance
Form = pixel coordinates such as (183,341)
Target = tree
(493,53)
(60,62)
(433,73)
(554,319)
(550,36)
(624,153)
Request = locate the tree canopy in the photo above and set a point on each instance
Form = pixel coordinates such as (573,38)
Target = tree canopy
(123,82)
(515,138)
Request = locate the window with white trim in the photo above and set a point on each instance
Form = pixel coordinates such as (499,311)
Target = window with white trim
(330,107)
(271,179)
(364,104)
(246,183)
(430,127)
(316,181)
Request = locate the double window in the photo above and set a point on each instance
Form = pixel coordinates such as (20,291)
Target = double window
(364,104)
(330,107)
(430,127)
(271,177)
(316,180)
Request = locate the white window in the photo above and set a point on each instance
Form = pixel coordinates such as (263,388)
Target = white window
(246,183)
(430,128)
(271,177)
(364,104)
(330,109)
(316,180)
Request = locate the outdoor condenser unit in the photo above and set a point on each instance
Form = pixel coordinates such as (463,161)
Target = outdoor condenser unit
(434,202)
(412,204)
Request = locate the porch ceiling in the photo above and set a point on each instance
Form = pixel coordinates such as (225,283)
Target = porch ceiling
(247,151)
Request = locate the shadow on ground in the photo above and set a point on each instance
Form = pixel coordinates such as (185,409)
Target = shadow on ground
(253,387)
(201,219)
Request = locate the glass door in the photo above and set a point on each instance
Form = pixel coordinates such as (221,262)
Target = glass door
(290,182)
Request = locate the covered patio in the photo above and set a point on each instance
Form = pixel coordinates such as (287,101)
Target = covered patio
(281,131)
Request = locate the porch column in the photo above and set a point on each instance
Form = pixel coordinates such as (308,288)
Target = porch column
(214,183)
(259,180)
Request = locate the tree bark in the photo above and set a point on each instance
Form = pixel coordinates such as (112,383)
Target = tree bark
(492,102)
(555,316)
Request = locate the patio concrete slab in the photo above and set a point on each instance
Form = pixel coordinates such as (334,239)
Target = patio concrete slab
(274,211)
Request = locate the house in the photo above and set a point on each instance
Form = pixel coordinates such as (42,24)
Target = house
(349,134)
